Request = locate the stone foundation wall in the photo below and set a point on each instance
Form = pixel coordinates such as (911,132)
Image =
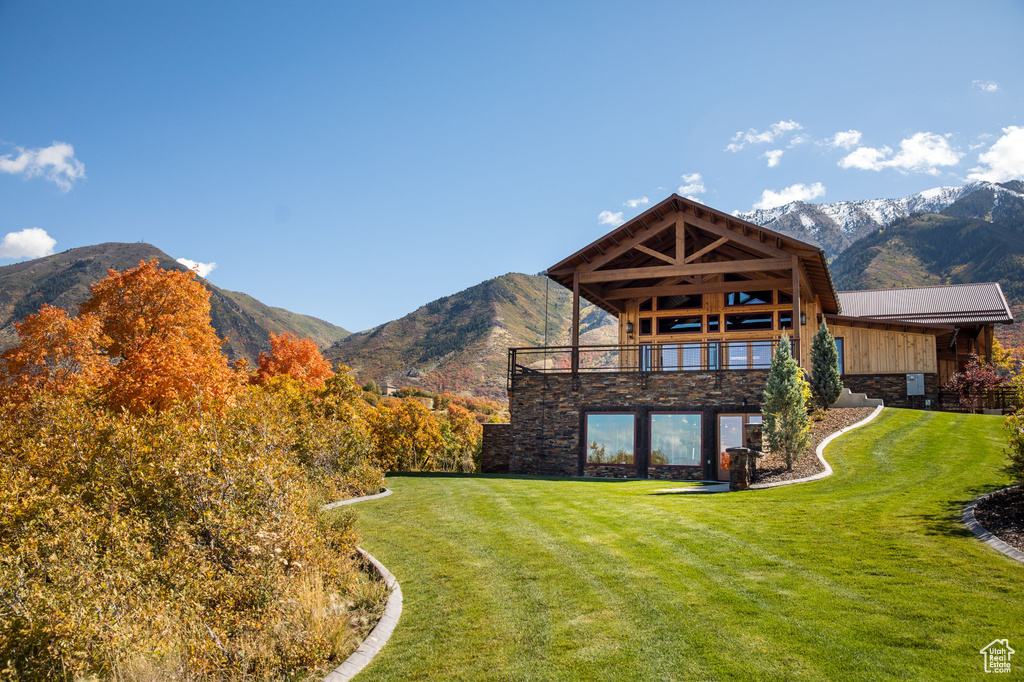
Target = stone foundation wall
(676,473)
(547,411)
(600,471)
(496,448)
(892,388)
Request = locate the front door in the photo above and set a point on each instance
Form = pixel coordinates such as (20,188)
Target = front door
(731,435)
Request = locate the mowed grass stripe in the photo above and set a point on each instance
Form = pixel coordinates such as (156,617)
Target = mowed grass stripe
(867,574)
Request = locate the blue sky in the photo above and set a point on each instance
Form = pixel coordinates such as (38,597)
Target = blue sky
(354,161)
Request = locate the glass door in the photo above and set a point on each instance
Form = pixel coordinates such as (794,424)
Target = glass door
(730,435)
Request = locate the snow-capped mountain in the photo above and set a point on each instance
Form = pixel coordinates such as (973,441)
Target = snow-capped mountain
(835,226)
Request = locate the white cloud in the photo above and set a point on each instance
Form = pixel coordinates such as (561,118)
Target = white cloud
(633,203)
(201,269)
(32,242)
(797,139)
(693,184)
(741,139)
(1004,160)
(773,157)
(56,163)
(919,153)
(986,86)
(797,192)
(847,139)
(609,218)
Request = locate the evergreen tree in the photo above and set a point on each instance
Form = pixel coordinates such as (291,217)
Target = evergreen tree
(786,427)
(826,383)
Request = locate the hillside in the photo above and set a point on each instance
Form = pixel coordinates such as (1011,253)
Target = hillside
(64,279)
(459,343)
(837,225)
(979,238)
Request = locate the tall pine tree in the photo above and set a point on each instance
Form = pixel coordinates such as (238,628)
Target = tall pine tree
(786,427)
(826,383)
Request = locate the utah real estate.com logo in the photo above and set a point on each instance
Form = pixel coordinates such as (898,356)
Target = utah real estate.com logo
(997,656)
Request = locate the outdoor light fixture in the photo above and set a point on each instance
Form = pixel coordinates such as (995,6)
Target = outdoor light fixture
(803,318)
(629,328)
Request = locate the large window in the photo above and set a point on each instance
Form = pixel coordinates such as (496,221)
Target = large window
(675,439)
(680,325)
(749,298)
(748,354)
(611,438)
(681,302)
(645,326)
(749,322)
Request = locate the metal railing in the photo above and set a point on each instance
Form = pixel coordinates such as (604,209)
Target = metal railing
(645,358)
(1005,398)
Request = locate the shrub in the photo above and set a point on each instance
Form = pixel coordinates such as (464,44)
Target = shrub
(786,426)
(826,383)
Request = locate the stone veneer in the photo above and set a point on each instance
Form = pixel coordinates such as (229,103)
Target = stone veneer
(892,389)
(547,413)
(495,448)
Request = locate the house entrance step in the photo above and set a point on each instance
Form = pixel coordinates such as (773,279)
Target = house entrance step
(849,399)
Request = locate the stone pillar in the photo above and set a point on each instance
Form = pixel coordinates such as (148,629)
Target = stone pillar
(738,471)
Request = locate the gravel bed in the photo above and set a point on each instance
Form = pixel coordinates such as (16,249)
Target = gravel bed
(1003,516)
(771,468)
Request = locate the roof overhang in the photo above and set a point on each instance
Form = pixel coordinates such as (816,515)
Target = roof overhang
(742,236)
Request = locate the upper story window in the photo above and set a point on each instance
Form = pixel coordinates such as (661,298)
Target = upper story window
(647,304)
(680,325)
(681,302)
(749,298)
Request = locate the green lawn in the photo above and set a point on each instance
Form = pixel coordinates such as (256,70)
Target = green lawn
(867,574)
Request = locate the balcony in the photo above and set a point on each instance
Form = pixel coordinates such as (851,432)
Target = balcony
(647,358)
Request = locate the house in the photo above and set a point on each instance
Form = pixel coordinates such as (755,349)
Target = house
(702,299)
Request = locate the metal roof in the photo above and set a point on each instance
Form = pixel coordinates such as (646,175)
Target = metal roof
(954,304)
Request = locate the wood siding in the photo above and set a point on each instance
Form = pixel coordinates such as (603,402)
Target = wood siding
(874,351)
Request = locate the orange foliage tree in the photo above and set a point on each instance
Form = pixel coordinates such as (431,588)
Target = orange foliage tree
(294,357)
(143,339)
(57,353)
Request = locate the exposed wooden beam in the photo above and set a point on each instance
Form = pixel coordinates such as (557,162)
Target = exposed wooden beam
(638,238)
(712,288)
(741,239)
(656,254)
(680,241)
(575,360)
(710,247)
(755,265)
(796,305)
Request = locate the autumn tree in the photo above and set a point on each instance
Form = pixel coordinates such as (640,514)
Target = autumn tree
(294,357)
(143,340)
(56,352)
(462,435)
(971,384)
(404,436)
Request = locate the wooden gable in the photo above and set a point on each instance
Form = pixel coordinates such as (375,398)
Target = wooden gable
(680,247)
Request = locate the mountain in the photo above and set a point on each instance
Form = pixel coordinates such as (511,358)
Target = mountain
(64,279)
(838,225)
(460,343)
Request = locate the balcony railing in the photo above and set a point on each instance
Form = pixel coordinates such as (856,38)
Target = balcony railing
(643,358)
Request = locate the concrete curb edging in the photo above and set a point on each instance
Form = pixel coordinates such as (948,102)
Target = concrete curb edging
(818,451)
(353,500)
(381,632)
(985,536)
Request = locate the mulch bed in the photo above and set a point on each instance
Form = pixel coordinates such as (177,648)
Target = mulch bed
(772,468)
(1003,516)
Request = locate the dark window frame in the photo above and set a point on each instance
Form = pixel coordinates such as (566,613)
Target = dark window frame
(586,438)
(698,297)
(769,314)
(737,294)
(699,330)
(841,351)
(650,440)
(650,326)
